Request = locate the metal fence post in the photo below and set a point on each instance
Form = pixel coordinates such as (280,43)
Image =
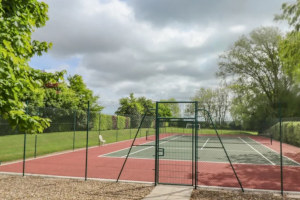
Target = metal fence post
(74,129)
(24,150)
(117,128)
(35,144)
(196,145)
(130,127)
(99,130)
(280,134)
(156,143)
(87,141)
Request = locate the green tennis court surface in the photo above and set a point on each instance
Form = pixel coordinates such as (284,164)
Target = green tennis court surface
(242,150)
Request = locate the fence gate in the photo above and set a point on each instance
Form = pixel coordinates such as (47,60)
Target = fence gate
(175,161)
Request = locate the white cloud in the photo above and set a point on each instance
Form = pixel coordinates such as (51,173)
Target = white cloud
(159,49)
(237,28)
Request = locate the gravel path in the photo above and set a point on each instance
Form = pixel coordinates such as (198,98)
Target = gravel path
(38,188)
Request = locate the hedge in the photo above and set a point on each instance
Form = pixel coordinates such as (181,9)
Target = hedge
(64,122)
(109,122)
(290,132)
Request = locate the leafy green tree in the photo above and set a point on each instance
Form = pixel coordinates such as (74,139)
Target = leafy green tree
(129,106)
(147,105)
(289,52)
(173,107)
(83,94)
(18,19)
(290,44)
(136,107)
(291,13)
(215,101)
(257,74)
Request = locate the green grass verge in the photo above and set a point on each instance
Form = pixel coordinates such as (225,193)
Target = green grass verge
(11,146)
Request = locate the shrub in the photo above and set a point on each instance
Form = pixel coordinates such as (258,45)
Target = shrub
(290,132)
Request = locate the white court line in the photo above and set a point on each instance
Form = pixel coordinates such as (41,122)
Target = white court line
(204,144)
(218,162)
(105,155)
(275,151)
(257,151)
(150,147)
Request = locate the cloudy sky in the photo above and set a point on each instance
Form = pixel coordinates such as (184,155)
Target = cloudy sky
(154,48)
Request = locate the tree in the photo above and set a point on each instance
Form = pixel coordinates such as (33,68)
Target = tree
(173,107)
(18,19)
(256,73)
(291,13)
(83,94)
(136,107)
(129,106)
(215,101)
(289,52)
(290,45)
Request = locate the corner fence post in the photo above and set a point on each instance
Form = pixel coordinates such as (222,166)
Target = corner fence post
(156,143)
(196,145)
(87,142)
(24,150)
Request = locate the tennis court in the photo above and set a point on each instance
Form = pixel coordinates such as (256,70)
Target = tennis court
(241,149)
(255,159)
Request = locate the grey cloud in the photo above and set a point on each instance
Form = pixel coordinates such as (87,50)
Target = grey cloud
(204,12)
(73,31)
(120,54)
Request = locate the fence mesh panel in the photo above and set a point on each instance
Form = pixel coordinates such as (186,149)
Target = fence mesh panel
(221,154)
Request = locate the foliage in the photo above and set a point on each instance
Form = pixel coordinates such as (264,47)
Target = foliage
(83,94)
(173,107)
(129,106)
(290,130)
(18,19)
(289,52)
(291,13)
(257,76)
(136,107)
(106,122)
(290,45)
(215,101)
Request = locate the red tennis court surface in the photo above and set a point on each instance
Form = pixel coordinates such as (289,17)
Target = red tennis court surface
(72,164)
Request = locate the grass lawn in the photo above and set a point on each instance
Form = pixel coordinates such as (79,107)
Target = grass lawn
(11,146)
